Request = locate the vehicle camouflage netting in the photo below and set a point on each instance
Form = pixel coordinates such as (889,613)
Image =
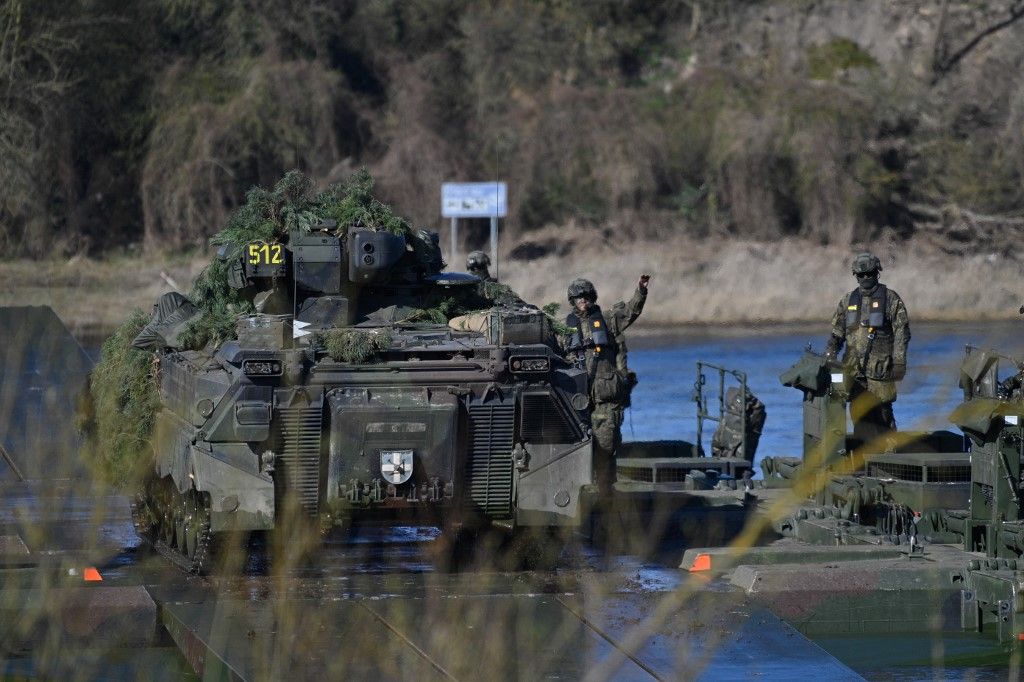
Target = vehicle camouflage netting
(117,412)
(270,215)
(442,310)
(355,345)
(559,327)
(478,299)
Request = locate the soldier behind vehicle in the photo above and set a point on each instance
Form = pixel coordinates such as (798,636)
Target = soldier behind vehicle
(599,343)
(477,263)
(872,322)
(1012,387)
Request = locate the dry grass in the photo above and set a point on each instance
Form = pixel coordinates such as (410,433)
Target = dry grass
(713,282)
(96,295)
(763,282)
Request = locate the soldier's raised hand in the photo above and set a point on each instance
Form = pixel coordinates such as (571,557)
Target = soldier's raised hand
(642,284)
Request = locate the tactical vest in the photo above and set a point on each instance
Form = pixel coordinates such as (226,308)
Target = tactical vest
(607,383)
(605,346)
(869,335)
(877,317)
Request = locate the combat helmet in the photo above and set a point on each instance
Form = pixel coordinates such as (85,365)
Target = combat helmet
(582,287)
(477,260)
(865,262)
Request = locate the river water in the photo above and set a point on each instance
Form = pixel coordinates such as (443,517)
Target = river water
(665,362)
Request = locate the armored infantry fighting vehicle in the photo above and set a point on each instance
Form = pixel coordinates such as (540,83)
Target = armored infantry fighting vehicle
(342,399)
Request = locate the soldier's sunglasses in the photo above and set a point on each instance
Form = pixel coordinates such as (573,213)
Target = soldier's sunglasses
(863,275)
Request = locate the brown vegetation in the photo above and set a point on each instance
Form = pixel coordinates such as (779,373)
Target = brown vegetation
(95,295)
(146,123)
(695,281)
(764,283)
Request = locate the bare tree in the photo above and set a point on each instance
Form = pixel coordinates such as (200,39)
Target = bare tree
(943,61)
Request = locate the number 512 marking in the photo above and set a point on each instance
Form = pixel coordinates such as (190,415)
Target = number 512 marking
(266,254)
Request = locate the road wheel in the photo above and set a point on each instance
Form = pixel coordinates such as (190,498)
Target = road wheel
(192,523)
(165,507)
(178,507)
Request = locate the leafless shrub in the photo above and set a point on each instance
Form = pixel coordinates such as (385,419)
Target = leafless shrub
(584,157)
(1011,136)
(794,160)
(221,131)
(417,157)
(37,52)
(598,113)
(748,173)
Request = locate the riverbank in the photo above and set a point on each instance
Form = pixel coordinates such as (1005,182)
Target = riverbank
(696,282)
(765,283)
(93,295)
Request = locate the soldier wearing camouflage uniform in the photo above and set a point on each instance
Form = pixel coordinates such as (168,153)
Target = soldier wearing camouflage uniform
(599,341)
(477,263)
(872,322)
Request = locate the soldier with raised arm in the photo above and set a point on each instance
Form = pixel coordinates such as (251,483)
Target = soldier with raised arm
(598,340)
(871,321)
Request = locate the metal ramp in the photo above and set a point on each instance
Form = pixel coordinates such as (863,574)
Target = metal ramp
(43,370)
(498,633)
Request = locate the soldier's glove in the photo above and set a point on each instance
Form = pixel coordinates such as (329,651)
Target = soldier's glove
(899,370)
(832,347)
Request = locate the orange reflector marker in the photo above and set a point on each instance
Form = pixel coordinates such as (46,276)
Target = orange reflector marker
(91,575)
(701,563)
(1021,636)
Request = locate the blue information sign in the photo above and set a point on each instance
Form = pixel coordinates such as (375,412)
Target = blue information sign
(474,199)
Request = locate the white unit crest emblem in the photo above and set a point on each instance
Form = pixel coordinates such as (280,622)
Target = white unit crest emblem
(396,465)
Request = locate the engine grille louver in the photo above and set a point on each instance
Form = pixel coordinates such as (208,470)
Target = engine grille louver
(490,457)
(297,467)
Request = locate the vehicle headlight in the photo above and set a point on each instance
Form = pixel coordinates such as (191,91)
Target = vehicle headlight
(529,365)
(261,368)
